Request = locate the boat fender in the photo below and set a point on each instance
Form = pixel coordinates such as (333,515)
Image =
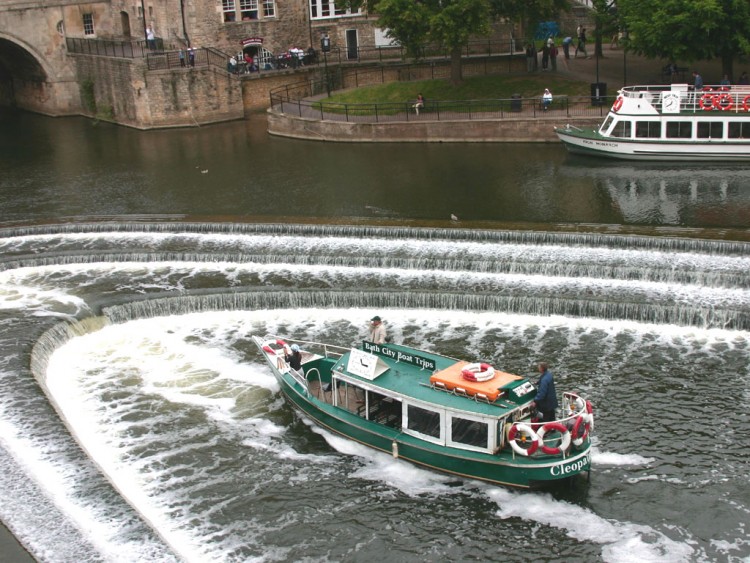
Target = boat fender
(478,372)
(564,441)
(707,102)
(746,103)
(617,105)
(523,431)
(581,428)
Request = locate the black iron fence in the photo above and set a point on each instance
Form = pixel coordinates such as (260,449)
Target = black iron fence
(203,56)
(300,100)
(133,49)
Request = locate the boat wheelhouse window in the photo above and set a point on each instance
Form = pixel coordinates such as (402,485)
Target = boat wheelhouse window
(621,129)
(738,130)
(423,421)
(607,123)
(710,130)
(469,432)
(679,130)
(648,129)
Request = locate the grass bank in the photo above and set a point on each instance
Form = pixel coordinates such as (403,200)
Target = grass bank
(474,88)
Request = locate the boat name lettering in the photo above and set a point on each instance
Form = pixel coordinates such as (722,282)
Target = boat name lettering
(575,467)
(399,356)
(598,143)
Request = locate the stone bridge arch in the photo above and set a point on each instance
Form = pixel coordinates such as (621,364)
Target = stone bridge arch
(37,77)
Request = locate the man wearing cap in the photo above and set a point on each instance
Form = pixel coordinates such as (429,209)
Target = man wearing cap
(377,330)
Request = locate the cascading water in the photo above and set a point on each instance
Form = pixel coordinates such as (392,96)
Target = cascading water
(157,431)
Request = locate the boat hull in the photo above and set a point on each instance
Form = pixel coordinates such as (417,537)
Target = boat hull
(502,469)
(590,144)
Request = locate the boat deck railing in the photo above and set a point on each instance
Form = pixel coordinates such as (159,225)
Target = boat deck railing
(712,98)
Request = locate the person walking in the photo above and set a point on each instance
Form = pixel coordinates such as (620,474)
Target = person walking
(546,395)
(377,330)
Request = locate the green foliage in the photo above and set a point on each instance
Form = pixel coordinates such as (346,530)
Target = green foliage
(687,30)
(87,96)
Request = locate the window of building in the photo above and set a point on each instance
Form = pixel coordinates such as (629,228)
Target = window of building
(230,14)
(249,9)
(423,421)
(622,129)
(60,28)
(679,130)
(269,8)
(648,129)
(320,9)
(469,432)
(738,130)
(710,130)
(88,24)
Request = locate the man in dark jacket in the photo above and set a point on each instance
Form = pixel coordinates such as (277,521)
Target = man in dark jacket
(546,396)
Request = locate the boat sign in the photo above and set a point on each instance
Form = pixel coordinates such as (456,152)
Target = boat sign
(362,364)
(400,356)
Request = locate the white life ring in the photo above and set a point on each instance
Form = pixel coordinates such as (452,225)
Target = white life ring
(581,428)
(524,430)
(478,372)
(564,441)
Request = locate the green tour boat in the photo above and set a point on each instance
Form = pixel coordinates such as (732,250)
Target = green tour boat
(466,419)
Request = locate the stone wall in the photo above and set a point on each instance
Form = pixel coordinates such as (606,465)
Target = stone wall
(510,130)
(123,91)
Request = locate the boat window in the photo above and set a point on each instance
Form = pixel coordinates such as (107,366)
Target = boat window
(621,129)
(710,130)
(648,129)
(350,397)
(423,421)
(607,123)
(738,130)
(383,409)
(679,129)
(469,432)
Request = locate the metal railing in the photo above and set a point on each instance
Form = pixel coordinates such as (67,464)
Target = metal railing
(133,49)
(299,99)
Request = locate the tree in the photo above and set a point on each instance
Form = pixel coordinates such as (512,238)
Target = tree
(447,23)
(688,30)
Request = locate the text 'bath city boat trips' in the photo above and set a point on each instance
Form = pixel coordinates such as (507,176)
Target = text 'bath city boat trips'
(466,419)
(670,123)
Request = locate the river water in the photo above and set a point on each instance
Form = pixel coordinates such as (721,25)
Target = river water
(139,424)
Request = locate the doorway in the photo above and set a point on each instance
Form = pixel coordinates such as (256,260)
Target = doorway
(352,46)
(125,22)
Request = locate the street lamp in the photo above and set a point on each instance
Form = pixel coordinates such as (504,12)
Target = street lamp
(325,46)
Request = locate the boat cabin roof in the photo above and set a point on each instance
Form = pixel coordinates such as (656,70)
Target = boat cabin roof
(431,378)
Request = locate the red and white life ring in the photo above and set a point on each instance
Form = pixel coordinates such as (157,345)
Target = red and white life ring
(746,103)
(617,105)
(704,102)
(478,372)
(581,428)
(564,439)
(724,102)
(523,431)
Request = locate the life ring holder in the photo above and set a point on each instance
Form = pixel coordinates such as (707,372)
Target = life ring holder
(617,105)
(478,372)
(705,98)
(564,441)
(523,430)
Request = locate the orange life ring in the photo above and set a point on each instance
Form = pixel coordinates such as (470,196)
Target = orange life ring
(705,98)
(617,105)
(478,372)
(724,102)
(267,346)
(746,103)
(523,430)
(564,441)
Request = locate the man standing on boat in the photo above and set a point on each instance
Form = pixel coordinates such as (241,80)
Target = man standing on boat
(546,396)
(377,330)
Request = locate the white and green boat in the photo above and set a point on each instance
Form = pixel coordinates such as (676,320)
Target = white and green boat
(465,419)
(669,123)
